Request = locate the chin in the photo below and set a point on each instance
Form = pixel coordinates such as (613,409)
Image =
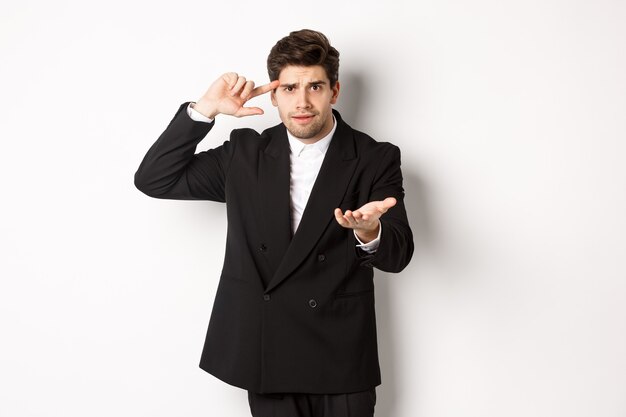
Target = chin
(304,134)
(307,133)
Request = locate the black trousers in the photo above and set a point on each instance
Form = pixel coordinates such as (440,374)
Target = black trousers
(355,404)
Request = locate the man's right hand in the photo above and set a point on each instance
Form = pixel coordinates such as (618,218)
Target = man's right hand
(229,93)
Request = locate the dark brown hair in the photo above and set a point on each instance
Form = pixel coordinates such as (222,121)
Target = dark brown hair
(304,48)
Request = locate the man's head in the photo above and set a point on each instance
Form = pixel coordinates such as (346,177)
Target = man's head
(307,67)
(304,48)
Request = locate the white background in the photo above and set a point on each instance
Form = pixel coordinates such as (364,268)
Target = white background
(511,117)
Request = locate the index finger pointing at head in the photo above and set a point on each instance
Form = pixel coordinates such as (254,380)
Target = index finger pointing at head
(264,88)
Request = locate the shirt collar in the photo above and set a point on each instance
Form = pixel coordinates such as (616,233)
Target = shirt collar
(321,145)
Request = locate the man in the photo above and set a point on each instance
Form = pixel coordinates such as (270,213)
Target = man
(293,319)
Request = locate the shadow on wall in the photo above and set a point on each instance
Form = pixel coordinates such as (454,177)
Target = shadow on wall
(390,335)
(352,98)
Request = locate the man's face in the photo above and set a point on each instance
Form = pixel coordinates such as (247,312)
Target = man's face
(304,100)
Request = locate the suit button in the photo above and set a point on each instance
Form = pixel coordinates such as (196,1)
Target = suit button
(321,257)
(312,303)
(266,297)
(262,248)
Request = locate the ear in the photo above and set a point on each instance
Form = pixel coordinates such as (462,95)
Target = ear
(335,90)
(273,97)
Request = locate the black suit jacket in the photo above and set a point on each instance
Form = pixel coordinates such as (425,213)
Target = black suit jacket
(291,314)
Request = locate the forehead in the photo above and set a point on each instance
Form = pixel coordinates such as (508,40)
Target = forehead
(293,74)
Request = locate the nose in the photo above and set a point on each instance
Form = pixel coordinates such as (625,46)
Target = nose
(303,99)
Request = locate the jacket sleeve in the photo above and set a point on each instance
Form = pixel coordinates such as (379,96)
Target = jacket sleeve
(396,241)
(171,168)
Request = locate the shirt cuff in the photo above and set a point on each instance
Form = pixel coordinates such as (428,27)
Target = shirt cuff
(370,247)
(196,115)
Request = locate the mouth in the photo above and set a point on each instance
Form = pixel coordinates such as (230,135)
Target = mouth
(303,118)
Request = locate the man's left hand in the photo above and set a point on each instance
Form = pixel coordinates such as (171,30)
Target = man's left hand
(364,221)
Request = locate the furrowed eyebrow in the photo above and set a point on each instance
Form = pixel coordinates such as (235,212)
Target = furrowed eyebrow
(310,84)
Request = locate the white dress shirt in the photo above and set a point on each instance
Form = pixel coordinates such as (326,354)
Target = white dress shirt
(305,163)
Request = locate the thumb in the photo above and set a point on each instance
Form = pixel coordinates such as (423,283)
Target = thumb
(248,111)
(388,203)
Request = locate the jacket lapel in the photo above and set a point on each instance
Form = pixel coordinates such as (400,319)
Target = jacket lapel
(328,191)
(273,192)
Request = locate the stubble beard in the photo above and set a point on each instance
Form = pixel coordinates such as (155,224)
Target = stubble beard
(306,132)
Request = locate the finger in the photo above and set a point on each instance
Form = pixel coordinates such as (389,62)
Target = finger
(365,220)
(339,217)
(241,81)
(350,219)
(231,79)
(262,89)
(248,111)
(361,217)
(247,88)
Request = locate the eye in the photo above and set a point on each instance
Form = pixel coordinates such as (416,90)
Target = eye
(289,88)
(316,87)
